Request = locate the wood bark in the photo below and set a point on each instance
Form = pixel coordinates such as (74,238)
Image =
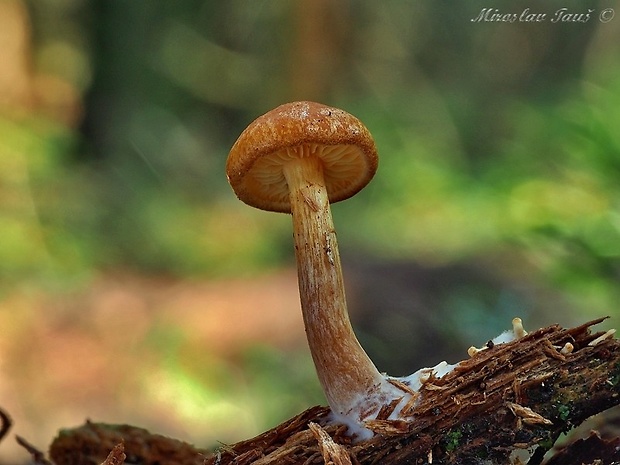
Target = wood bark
(519,396)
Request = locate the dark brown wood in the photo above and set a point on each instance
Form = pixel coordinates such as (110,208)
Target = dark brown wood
(591,450)
(116,456)
(512,397)
(91,443)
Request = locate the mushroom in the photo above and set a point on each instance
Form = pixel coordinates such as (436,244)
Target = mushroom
(297,159)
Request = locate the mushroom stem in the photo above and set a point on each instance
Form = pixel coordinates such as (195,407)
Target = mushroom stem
(344,369)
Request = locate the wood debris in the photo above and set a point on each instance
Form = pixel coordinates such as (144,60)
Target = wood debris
(469,413)
(333,454)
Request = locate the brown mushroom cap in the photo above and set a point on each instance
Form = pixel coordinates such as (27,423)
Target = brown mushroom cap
(300,129)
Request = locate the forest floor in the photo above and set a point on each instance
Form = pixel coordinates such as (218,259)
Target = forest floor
(178,357)
(128,349)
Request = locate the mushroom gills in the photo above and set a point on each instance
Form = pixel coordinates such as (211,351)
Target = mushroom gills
(339,161)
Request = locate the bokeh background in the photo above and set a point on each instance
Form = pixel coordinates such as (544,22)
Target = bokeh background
(135,288)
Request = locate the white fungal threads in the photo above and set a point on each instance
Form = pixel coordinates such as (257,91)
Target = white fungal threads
(517,328)
(395,398)
(517,332)
(602,338)
(567,349)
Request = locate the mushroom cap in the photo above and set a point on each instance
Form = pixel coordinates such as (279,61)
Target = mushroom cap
(300,129)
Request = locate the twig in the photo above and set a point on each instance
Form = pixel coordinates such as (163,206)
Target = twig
(37,455)
(5,419)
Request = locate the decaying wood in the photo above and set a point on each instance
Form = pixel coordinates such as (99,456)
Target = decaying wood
(116,456)
(590,450)
(91,443)
(333,454)
(516,396)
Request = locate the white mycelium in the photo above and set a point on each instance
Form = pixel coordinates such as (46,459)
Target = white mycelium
(400,395)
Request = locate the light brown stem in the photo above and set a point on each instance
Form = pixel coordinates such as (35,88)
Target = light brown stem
(344,369)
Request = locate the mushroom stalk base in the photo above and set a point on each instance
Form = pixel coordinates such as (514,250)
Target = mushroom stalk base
(348,376)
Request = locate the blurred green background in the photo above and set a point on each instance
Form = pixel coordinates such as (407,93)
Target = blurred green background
(135,287)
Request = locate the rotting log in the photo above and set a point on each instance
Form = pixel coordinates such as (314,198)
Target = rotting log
(517,396)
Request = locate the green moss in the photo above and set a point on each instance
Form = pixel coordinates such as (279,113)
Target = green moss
(614,376)
(453,439)
(546,443)
(564,412)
